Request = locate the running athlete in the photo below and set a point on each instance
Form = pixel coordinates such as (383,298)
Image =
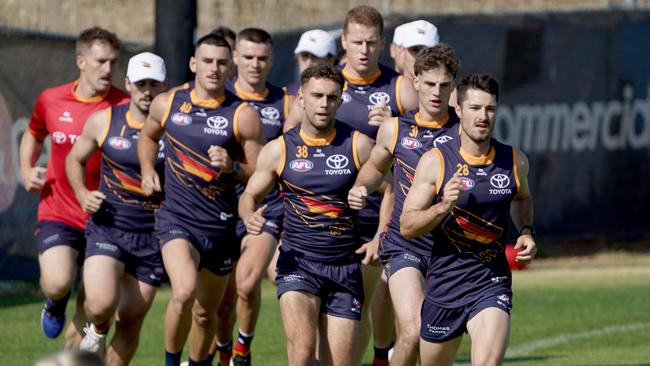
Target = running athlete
(372,91)
(465,192)
(211,139)
(61,112)
(314,46)
(319,274)
(253,58)
(123,267)
(400,144)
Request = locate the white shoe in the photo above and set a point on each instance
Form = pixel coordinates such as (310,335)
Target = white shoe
(92,341)
(185,363)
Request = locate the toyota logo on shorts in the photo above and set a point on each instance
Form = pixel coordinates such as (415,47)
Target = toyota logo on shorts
(337,161)
(378,97)
(270,113)
(217,122)
(499,181)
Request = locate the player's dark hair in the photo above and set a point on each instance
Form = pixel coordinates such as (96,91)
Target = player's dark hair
(225,33)
(322,71)
(213,40)
(255,35)
(364,15)
(437,56)
(90,35)
(482,81)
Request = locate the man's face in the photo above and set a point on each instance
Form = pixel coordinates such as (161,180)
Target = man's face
(396,55)
(307,59)
(142,92)
(363,45)
(211,64)
(253,61)
(408,60)
(434,89)
(477,112)
(96,65)
(320,99)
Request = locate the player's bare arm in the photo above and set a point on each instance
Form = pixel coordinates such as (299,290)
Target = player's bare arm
(259,185)
(521,211)
(30,149)
(372,173)
(148,144)
(252,141)
(75,162)
(419,215)
(408,95)
(295,115)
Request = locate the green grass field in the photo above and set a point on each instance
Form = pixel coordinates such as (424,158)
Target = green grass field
(589,311)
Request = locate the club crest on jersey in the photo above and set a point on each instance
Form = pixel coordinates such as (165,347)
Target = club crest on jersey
(346,97)
(441,140)
(59,137)
(119,143)
(301,165)
(216,126)
(338,164)
(500,182)
(181,119)
(270,116)
(410,143)
(378,97)
(468,183)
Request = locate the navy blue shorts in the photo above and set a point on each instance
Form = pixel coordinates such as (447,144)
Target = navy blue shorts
(339,286)
(54,233)
(440,324)
(395,257)
(274,216)
(215,250)
(139,251)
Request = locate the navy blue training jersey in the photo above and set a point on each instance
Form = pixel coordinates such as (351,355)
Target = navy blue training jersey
(468,258)
(413,137)
(126,207)
(194,190)
(315,176)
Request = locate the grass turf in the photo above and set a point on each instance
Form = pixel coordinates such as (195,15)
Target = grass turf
(569,312)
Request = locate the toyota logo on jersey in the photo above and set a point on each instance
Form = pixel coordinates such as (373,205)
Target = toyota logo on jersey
(379,97)
(337,161)
(217,122)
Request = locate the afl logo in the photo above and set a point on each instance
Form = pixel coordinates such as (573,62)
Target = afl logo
(217,122)
(301,165)
(346,97)
(499,181)
(378,97)
(441,140)
(468,183)
(58,137)
(181,119)
(337,161)
(119,143)
(411,143)
(270,113)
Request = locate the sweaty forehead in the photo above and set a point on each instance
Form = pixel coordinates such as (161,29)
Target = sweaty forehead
(361,31)
(212,51)
(245,46)
(322,85)
(479,97)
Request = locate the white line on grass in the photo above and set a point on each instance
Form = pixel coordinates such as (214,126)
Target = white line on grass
(531,347)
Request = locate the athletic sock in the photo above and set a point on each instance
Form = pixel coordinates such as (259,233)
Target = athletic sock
(381,355)
(173,359)
(244,341)
(225,352)
(205,362)
(57,307)
(211,357)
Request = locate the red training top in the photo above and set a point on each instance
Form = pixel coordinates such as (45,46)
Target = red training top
(62,114)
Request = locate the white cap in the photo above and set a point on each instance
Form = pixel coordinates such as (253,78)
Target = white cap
(398,34)
(420,33)
(317,42)
(146,65)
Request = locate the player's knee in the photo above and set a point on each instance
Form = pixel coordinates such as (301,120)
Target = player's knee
(56,287)
(248,290)
(410,336)
(129,327)
(202,316)
(183,298)
(486,360)
(99,309)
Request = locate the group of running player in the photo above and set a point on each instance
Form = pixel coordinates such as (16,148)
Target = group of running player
(374,195)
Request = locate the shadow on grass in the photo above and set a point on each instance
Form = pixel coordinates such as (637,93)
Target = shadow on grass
(7,301)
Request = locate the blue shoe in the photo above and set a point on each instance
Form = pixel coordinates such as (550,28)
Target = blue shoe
(52,325)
